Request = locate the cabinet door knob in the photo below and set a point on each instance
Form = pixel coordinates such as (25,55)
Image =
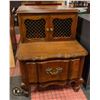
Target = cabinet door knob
(51,29)
(47,29)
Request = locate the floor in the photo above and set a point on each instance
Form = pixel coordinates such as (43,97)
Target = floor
(52,93)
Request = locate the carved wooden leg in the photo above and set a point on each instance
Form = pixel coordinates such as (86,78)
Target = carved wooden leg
(76,88)
(26,89)
(76,84)
(23,86)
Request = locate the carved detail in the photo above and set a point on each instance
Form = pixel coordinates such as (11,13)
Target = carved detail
(55,71)
(76,84)
(44,85)
(25,89)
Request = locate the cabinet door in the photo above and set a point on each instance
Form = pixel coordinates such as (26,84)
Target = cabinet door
(53,71)
(74,69)
(63,26)
(33,27)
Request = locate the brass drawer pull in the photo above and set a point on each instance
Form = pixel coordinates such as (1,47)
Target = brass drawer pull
(47,29)
(55,71)
(51,29)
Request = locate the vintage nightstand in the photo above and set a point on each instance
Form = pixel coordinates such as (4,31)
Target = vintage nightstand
(48,52)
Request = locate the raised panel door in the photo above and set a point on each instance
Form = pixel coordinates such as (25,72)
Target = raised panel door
(33,27)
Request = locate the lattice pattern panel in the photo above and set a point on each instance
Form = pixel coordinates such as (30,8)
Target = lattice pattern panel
(35,28)
(62,27)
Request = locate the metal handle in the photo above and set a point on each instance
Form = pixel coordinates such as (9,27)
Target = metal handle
(55,71)
(47,29)
(51,29)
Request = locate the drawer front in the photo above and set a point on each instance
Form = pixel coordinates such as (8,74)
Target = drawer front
(74,69)
(53,70)
(31,72)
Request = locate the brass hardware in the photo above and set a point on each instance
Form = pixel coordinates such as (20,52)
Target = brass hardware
(47,29)
(55,71)
(51,29)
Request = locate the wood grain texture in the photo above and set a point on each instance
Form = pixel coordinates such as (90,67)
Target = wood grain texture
(32,71)
(44,9)
(44,50)
(54,65)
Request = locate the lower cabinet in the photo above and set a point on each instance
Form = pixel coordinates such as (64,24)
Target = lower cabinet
(52,72)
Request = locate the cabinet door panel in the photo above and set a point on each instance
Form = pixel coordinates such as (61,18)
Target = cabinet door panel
(63,26)
(33,27)
(53,70)
(31,72)
(74,69)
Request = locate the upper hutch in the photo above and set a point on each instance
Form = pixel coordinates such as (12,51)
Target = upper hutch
(45,23)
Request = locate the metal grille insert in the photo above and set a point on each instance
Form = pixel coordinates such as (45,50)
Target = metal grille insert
(62,27)
(35,28)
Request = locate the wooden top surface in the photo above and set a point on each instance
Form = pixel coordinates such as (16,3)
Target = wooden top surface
(46,50)
(45,9)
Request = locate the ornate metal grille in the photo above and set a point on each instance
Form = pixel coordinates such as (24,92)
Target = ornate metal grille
(35,28)
(62,27)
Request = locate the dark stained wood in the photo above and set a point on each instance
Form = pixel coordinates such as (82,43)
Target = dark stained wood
(59,83)
(59,70)
(24,75)
(32,72)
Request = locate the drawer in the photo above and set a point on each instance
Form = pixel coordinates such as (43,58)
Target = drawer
(31,71)
(55,70)
(74,69)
